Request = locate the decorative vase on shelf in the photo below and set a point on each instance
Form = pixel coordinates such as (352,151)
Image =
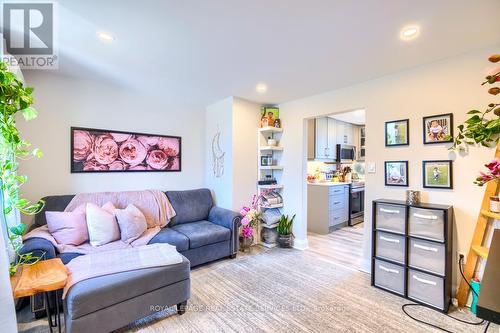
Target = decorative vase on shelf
(245,243)
(269,235)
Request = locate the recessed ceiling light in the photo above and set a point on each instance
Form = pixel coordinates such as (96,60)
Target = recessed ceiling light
(409,32)
(261,88)
(105,36)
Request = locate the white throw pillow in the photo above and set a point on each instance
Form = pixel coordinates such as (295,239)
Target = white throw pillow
(132,223)
(101,223)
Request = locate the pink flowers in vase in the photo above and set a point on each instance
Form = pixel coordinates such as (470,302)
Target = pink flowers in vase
(492,173)
(251,216)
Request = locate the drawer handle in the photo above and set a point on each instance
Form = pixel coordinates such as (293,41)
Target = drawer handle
(425,217)
(425,248)
(392,240)
(432,283)
(389,270)
(390,211)
(336,202)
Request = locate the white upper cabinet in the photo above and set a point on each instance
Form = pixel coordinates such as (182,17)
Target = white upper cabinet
(325,140)
(345,133)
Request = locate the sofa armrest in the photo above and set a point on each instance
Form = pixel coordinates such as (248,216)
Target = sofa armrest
(228,219)
(40,247)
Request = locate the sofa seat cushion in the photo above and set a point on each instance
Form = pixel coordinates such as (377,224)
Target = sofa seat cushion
(172,237)
(100,292)
(203,233)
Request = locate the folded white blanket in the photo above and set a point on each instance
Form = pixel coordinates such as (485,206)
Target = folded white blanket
(123,260)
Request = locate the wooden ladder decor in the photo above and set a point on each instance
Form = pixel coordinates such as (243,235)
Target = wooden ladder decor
(477,249)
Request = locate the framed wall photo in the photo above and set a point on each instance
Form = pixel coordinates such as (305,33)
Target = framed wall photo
(437,174)
(97,150)
(396,173)
(438,129)
(397,133)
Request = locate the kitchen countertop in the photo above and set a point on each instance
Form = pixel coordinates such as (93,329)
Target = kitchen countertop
(328,184)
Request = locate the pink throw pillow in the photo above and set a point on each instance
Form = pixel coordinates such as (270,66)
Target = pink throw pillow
(68,228)
(132,223)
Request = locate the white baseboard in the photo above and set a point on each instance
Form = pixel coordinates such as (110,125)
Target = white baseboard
(300,244)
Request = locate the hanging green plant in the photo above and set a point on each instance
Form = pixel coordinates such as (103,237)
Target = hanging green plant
(15,98)
(483,127)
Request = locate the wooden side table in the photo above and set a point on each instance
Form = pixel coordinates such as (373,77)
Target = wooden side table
(43,277)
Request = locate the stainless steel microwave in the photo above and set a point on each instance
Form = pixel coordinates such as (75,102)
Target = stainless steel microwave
(346,153)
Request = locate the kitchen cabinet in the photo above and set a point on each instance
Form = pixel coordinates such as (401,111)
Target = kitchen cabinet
(325,140)
(344,133)
(327,207)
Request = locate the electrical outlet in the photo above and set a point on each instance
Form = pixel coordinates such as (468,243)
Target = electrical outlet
(460,254)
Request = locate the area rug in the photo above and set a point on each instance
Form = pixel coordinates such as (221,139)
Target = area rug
(292,291)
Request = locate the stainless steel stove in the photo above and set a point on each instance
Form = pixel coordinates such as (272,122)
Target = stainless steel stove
(356,202)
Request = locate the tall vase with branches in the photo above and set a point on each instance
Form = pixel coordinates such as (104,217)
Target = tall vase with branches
(15,98)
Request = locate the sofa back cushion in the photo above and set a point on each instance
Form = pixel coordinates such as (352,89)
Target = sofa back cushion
(190,206)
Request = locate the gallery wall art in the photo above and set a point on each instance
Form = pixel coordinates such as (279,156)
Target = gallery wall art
(438,129)
(396,173)
(397,133)
(97,150)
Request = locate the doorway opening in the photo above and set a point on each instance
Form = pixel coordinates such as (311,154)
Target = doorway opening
(335,185)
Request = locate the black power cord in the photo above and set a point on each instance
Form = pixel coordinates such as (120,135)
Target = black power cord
(404,306)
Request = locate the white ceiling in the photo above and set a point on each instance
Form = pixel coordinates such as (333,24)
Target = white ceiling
(198,52)
(357,117)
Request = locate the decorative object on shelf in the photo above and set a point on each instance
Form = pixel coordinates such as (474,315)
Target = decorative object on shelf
(494,204)
(269,235)
(271,142)
(271,198)
(268,115)
(412,197)
(277,123)
(481,128)
(266,160)
(396,173)
(15,99)
(397,133)
(438,128)
(217,155)
(267,180)
(97,150)
(438,174)
(284,229)
(492,173)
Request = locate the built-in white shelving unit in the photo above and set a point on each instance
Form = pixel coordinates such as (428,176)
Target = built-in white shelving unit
(274,170)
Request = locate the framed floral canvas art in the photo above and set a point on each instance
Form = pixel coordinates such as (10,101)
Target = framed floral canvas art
(97,150)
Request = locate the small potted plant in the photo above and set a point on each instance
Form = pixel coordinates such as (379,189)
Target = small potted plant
(284,229)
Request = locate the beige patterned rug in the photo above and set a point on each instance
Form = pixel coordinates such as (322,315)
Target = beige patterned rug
(292,291)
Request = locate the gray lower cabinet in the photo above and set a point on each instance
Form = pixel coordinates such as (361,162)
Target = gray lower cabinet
(327,207)
(412,251)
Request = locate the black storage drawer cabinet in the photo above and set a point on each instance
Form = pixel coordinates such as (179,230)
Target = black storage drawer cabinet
(412,251)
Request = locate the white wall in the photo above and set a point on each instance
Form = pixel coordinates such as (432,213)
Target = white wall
(238,121)
(246,116)
(63,102)
(447,86)
(219,117)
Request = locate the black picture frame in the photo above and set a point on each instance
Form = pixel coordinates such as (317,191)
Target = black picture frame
(76,169)
(448,186)
(407,133)
(449,126)
(406,183)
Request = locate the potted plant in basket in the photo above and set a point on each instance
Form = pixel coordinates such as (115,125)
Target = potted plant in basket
(284,229)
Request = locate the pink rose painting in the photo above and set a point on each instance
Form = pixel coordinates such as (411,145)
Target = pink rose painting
(95,150)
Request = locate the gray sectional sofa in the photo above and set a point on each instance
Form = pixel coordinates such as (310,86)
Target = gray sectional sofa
(200,231)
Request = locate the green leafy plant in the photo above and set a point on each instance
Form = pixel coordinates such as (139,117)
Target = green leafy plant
(285,225)
(483,127)
(15,98)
